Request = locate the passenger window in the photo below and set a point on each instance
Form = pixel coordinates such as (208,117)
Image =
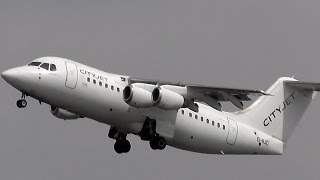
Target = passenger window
(190,115)
(112,87)
(34,64)
(118,89)
(196,116)
(88,79)
(94,81)
(106,85)
(208,121)
(201,118)
(100,83)
(212,123)
(218,125)
(53,67)
(45,66)
(224,127)
(182,111)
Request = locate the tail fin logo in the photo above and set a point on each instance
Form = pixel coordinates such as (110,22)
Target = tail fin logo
(279,110)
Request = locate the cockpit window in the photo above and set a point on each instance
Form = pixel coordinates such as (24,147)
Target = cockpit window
(45,66)
(53,67)
(34,64)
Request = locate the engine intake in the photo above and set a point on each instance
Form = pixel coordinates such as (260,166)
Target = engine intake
(137,97)
(167,99)
(63,114)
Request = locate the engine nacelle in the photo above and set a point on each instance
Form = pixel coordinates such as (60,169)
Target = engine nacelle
(63,114)
(137,97)
(167,99)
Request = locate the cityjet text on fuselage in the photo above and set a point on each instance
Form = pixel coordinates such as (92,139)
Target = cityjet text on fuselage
(93,75)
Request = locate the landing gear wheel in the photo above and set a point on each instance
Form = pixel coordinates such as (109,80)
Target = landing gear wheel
(158,143)
(117,147)
(22,103)
(126,146)
(162,143)
(153,144)
(122,146)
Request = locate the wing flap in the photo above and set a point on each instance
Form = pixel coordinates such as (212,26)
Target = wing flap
(230,91)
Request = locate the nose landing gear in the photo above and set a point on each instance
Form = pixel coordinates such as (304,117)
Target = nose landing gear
(22,103)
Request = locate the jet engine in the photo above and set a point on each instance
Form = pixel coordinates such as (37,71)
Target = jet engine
(137,97)
(63,114)
(167,99)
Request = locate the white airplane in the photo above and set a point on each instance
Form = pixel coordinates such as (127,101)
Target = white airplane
(187,117)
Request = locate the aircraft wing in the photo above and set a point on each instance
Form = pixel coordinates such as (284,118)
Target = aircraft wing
(210,95)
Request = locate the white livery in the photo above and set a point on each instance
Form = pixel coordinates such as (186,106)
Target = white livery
(188,117)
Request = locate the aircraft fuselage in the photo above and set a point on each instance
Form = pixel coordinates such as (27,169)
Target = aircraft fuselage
(98,95)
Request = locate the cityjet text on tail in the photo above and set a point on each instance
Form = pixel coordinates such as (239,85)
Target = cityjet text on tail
(184,116)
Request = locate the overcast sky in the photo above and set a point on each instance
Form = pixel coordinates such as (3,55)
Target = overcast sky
(244,44)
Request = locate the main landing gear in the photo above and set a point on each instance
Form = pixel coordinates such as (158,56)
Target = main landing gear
(148,133)
(122,145)
(157,143)
(22,103)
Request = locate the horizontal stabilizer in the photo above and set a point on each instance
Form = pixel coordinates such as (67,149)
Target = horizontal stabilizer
(304,85)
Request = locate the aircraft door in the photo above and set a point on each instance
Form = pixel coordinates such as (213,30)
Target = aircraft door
(233,131)
(72,75)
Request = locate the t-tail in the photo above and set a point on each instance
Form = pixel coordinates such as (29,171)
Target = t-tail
(278,113)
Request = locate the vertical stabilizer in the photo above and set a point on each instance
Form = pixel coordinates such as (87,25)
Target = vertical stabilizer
(278,114)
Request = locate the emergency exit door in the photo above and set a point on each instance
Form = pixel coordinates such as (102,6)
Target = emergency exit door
(72,75)
(233,131)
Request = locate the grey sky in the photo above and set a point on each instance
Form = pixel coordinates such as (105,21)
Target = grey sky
(245,44)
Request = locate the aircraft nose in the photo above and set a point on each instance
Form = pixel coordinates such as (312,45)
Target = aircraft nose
(10,75)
